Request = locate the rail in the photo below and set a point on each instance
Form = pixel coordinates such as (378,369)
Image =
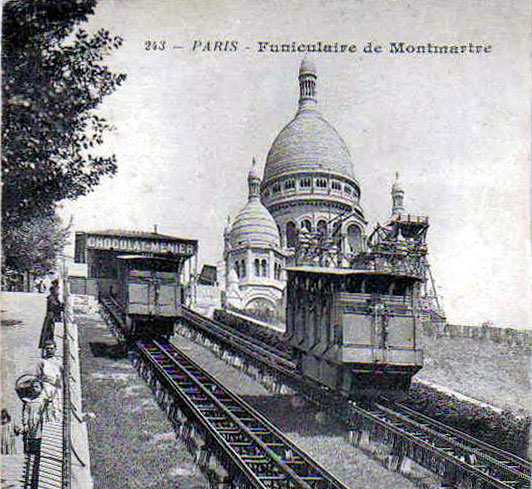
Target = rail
(444,451)
(229,336)
(66,468)
(476,450)
(254,448)
(439,449)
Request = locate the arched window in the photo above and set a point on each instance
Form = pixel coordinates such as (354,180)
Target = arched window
(257,267)
(337,235)
(322,227)
(277,271)
(289,185)
(354,238)
(237,269)
(306,225)
(264,266)
(291,234)
(243,267)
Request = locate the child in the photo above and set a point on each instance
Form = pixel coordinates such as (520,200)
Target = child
(32,417)
(7,434)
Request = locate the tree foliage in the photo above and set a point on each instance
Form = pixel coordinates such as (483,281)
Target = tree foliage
(53,80)
(33,246)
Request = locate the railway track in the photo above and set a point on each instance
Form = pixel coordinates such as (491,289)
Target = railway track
(457,457)
(253,452)
(480,455)
(237,335)
(468,462)
(238,342)
(464,460)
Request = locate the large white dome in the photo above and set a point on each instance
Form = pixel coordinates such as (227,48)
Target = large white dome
(308,143)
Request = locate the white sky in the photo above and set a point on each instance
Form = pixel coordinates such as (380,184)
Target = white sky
(457,128)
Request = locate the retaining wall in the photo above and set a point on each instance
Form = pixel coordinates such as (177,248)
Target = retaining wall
(512,337)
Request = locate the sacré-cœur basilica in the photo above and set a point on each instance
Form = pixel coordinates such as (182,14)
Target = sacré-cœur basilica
(308,186)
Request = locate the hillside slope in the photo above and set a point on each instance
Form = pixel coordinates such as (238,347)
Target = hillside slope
(491,372)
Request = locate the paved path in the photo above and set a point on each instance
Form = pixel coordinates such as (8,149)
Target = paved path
(22,317)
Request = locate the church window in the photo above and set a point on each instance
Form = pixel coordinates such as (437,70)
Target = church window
(237,269)
(321,183)
(276,188)
(291,234)
(264,267)
(337,235)
(354,238)
(336,185)
(322,227)
(305,183)
(243,268)
(289,185)
(306,225)
(257,267)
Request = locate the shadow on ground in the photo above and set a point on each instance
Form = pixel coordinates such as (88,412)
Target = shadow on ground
(107,350)
(309,422)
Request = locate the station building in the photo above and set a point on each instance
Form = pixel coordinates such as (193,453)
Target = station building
(308,185)
(95,254)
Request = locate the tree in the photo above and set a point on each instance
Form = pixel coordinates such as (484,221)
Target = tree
(32,248)
(53,80)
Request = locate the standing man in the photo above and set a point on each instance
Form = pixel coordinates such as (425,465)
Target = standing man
(54,309)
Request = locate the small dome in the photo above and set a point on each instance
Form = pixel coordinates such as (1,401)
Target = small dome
(308,143)
(254,225)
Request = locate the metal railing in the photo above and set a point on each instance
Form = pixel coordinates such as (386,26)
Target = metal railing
(66,470)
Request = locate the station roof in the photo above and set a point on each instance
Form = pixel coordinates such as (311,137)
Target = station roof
(133,243)
(122,233)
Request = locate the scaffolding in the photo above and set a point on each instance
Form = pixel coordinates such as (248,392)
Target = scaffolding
(397,248)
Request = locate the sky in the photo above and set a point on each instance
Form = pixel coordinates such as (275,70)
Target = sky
(455,126)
